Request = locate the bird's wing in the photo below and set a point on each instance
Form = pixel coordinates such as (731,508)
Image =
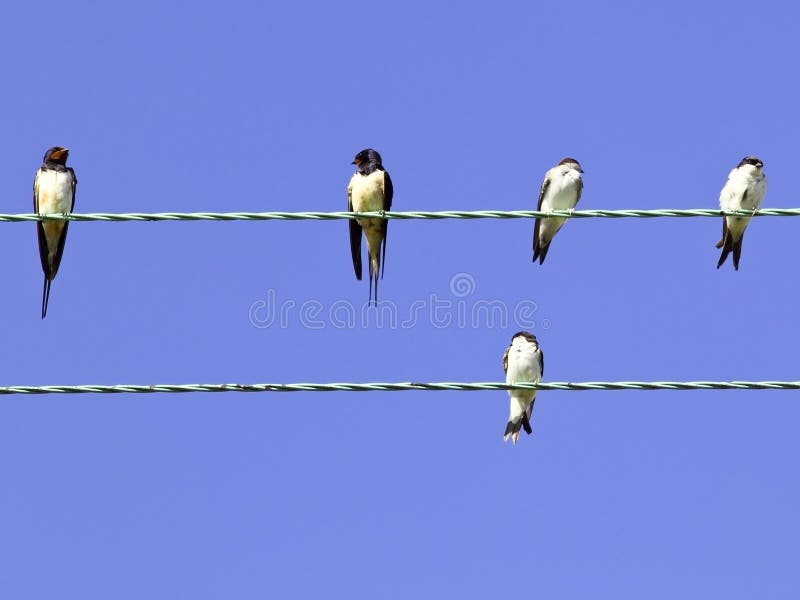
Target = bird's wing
(36,192)
(388,193)
(355,235)
(541,362)
(505,360)
(721,242)
(62,239)
(542,192)
(43,249)
(74,186)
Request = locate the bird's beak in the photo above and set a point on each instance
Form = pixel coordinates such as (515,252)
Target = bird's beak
(356,162)
(59,153)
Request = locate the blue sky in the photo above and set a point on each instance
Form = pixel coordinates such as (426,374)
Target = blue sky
(262,106)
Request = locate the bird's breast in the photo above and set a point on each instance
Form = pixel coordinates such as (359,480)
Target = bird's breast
(742,192)
(367,192)
(523,364)
(54,192)
(562,193)
(367,196)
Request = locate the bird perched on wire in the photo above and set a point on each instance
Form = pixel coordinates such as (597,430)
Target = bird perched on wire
(561,190)
(523,362)
(744,190)
(53,193)
(370,190)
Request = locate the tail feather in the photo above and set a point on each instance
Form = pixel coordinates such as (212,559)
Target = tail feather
(728,245)
(383,246)
(45,296)
(512,429)
(374,269)
(526,424)
(737,252)
(540,252)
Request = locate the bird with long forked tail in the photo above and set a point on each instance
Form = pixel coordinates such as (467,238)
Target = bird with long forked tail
(53,193)
(370,190)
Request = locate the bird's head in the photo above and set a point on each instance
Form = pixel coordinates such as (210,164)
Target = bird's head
(524,336)
(751,160)
(57,155)
(367,159)
(571,163)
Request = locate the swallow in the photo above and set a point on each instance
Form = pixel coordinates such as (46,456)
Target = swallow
(744,190)
(523,362)
(53,193)
(370,190)
(561,190)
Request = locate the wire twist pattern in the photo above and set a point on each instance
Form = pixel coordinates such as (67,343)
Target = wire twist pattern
(399,387)
(430,215)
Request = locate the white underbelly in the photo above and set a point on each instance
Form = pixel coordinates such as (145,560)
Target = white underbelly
(523,366)
(564,199)
(55,192)
(367,196)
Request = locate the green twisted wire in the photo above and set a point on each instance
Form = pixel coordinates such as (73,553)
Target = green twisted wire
(399,387)
(447,214)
